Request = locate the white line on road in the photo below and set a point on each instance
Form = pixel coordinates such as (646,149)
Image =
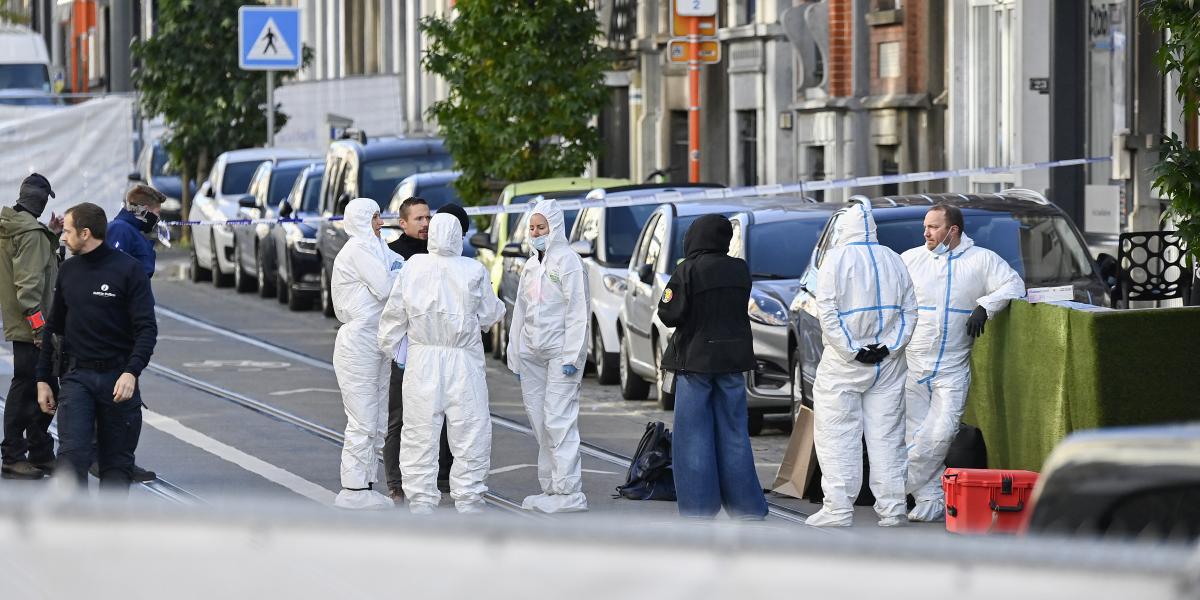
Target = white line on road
(511,468)
(162,337)
(304,391)
(228,453)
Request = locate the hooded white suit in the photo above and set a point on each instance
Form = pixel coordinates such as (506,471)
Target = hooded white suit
(864,297)
(362,277)
(949,287)
(550,326)
(443,302)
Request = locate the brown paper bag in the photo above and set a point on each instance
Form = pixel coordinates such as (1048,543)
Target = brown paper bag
(800,460)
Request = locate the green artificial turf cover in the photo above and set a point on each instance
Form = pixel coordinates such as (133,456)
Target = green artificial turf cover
(1042,371)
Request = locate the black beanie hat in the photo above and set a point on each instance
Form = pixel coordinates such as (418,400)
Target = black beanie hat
(457,211)
(35,192)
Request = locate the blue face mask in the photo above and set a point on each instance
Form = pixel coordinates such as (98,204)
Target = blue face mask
(539,243)
(942,248)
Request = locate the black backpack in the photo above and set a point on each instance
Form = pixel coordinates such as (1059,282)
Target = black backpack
(650,476)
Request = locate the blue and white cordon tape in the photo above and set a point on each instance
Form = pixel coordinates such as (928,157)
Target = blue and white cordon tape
(700,194)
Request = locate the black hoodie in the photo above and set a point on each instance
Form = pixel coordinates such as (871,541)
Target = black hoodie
(706,301)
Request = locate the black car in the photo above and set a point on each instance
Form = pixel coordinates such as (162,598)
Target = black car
(253,255)
(297,267)
(1037,239)
(355,168)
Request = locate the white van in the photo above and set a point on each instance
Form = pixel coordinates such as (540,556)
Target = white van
(24,62)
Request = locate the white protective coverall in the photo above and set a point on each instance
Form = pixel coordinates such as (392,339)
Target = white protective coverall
(443,302)
(949,287)
(361,280)
(550,330)
(864,297)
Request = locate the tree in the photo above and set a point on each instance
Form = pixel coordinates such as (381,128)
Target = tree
(1177,175)
(526,78)
(189,75)
(12,14)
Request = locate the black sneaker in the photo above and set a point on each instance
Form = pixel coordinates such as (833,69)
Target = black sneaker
(21,469)
(141,475)
(46,467)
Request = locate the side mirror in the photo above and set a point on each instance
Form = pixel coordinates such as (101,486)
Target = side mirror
(135,176)
(482,240)
(645,273)
(247,201)
(582,248)
(512,250)
(1108,269)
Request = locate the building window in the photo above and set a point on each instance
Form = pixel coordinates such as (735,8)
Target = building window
(889,60)
(814,157)
(749,12)
(747,140)
(889,166)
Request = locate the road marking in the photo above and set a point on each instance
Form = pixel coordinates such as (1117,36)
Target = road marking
(162,337)
(237,364)
(230,454)
(511,468)
(304,391)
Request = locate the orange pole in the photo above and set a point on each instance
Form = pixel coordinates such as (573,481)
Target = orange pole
(693,99)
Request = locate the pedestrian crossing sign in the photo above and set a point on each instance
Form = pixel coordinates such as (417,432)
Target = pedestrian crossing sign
(269,38)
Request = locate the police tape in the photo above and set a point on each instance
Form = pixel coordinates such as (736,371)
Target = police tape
(700,194)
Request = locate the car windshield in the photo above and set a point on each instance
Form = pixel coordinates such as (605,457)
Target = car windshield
(312,194)
(439,195)
(237,177)
(281,184)
(380,177)
(1042,248)
(622,224)
(160,161)
(24,77)
(781,250)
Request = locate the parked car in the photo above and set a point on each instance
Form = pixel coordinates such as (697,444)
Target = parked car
(154,170)
(1037,239)
(642,337)
(1128,483)
(356,168)
(24,65)
(512,261)
(217,200)
(253,254)
(605,237)
(489,243)
(438,190)
(298,268)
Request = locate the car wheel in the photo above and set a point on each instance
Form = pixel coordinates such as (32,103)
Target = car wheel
(199,274)
(632,386)
(754,422)
(666,401)
(266,279)
(219,279)
(282,291)
(326,294)
(241,282)
(607,369)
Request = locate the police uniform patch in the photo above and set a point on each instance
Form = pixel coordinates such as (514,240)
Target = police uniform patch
(668,294)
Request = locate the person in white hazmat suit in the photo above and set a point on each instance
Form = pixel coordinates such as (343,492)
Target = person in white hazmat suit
(362,278)
(959,287)
(867,310)
(443,302)
(547,351)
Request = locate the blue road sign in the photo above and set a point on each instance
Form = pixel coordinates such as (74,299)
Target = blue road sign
(269,38)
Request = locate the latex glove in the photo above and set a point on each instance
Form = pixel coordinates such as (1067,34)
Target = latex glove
(400,365)
(880,352)
(976,321)
(570,370)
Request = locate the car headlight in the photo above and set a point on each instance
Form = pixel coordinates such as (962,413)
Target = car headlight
(614,284)
(766,310)
(306,246)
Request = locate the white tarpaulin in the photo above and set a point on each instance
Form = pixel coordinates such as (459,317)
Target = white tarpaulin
(85,151)
(373,103)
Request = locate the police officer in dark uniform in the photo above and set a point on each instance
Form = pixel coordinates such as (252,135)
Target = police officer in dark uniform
(104,310)
(705,301)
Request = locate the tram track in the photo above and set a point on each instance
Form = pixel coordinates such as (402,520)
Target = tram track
(587,448)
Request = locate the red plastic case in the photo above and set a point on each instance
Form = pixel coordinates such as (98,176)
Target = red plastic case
(987,500)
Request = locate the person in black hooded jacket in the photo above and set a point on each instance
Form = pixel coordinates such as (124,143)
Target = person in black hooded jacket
(705,301)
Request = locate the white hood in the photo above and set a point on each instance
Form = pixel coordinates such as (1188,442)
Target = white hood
(445,235)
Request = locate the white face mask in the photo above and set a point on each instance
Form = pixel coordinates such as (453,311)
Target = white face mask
(942,247)
(539,243)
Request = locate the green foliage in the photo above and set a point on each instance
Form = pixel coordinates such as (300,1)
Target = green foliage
(1177,175)
(526,77)
(12,14)
(189,75)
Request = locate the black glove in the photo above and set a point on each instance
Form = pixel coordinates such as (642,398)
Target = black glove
(880,352)
(865,356)
(976,322)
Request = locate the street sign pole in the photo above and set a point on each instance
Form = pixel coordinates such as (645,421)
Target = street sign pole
(693,99)
(270,109)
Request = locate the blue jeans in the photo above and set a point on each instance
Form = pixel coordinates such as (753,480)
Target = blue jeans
(710,452)
(86,411)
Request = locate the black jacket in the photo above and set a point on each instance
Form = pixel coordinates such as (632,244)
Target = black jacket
(705,301)
(104,309)
(408,246)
